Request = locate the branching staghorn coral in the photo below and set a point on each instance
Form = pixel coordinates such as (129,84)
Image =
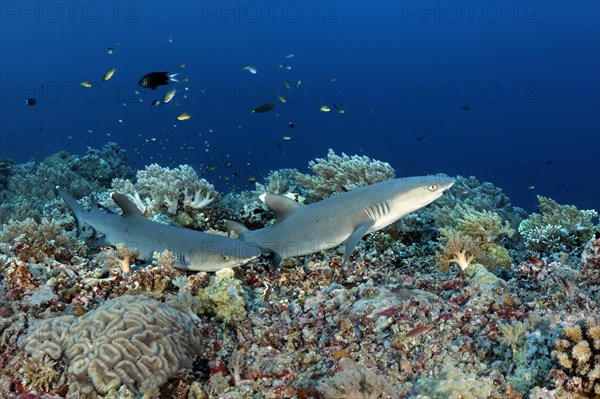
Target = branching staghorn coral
(131,340)
(337,174)
(159,189)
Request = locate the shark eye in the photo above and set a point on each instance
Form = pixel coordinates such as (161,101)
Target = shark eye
(225,258)
(432,187)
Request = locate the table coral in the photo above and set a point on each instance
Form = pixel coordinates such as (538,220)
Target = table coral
(131,340)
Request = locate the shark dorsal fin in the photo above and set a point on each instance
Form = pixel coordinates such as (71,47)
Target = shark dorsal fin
(281,206)
(129,209)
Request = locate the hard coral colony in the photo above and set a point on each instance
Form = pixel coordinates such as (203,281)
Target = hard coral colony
(468,297)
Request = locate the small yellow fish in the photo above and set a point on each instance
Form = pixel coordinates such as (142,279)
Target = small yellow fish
(282,99)
(169,96)
(286,138)
(530,187)
(287,85)
(184,80)
(181,65)
(341,111)
(184,117)
(325,108)
(251,179)
(298,83)
(109,74)
(85,83)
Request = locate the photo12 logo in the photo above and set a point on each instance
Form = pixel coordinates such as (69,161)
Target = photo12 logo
(52,12)
(270,12)
(470,12)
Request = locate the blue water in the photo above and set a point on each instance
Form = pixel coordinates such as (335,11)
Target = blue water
(528,71)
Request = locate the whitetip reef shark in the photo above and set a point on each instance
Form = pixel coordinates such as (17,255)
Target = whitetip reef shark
(344,218)
(193,250)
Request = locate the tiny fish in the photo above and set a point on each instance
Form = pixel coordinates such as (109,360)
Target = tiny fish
(285,66)
(153,79)
(286,138)
(181,65)
(290,55)
(282,99)
(110,50)
(263,108)
(155,103)
(85,83)
(298,83)
(465,108)
(251,179)
(415,332)
(291,125)
(184,117)
(341,111)
(532,187)
(169,96)
(31,101)
(109,74)
(533,260)
(250,68)
(325,108)
(287,85)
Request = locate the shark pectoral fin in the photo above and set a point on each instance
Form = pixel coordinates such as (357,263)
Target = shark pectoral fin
(277,261)
(237,228)
(354,239)
(281,206)
(129,209)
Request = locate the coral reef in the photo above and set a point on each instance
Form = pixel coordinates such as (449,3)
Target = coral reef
(224,296)
(557,227)
(161,189)
(31,186)
(471,235)
(131,340)
(578,353)
(388,324)
(452,383)
(337,174)
(353,382)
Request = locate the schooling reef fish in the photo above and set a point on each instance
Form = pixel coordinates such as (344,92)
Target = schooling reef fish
(194,250)
(153,79)
(344,218)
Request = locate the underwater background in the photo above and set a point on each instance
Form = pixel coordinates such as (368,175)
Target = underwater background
(402,72)
(141,141)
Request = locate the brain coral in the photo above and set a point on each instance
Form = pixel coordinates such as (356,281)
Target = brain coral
(131,340)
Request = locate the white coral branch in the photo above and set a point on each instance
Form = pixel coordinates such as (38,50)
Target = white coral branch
(200,198)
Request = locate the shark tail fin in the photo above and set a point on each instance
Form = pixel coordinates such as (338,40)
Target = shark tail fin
(73,206)
(237,228)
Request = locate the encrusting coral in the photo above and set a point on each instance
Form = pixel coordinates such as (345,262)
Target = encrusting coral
(337,174)
(130,340)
